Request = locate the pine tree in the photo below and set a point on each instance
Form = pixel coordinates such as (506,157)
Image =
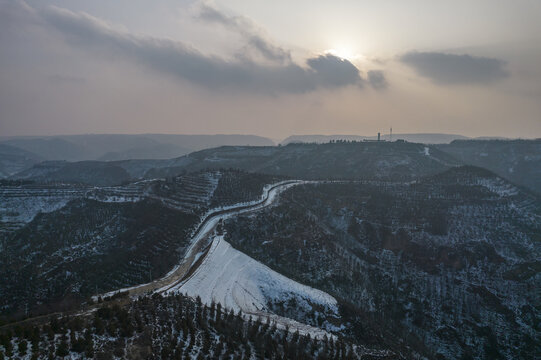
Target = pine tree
(22,347)
(62,349)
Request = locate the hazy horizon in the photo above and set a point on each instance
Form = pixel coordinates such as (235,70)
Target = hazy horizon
(270,69)
(277,140)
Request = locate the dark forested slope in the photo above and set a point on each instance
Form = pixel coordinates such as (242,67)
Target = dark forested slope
(87,247)
(173,327)
(446,267)
(516,160)
(339,160)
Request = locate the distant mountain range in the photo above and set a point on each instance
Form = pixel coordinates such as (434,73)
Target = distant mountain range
(14,160)
(354,160)
(20,153)
(119,158)
(125,147)
(428,138)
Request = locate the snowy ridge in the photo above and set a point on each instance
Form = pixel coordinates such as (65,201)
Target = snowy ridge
(499,186)
(119,194)
(20,204)
(188,192)
(238,282)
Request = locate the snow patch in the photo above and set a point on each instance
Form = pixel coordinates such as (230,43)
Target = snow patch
(238,282)
(498,186)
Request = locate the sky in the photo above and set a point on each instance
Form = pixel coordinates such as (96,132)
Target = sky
(270,68)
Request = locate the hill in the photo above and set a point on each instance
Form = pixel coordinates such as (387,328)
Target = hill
(124,147)
(516,160)
(340,160)
(444,267)
(172,327)
(19,153)
(426,138)
(14,160)
(60,244)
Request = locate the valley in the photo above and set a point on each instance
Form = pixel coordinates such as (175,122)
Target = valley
(411,255)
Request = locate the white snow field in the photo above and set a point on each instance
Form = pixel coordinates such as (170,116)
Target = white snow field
(238,282)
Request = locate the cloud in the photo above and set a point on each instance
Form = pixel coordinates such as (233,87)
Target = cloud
(248,29)
(376,79)
(450,69)
(335,71)
(12,14)
(179,60)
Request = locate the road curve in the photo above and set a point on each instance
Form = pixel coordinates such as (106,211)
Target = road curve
(200,241)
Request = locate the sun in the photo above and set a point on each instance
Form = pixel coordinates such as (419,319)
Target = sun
(346,53)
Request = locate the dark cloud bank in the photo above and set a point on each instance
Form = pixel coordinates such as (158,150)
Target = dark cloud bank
(177,59)
(450,69)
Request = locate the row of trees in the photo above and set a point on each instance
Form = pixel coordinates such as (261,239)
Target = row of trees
(171,327)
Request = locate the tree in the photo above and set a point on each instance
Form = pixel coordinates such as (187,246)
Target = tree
(62,349)
(23,347)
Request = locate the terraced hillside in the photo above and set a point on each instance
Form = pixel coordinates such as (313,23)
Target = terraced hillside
(236,186)
(20,202)
(73,241)
(446,267)
(190,193)
(193,193)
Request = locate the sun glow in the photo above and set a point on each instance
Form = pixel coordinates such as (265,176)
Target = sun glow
(344,53)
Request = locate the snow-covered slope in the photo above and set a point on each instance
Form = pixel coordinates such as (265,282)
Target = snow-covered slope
(20,204)
(238,282)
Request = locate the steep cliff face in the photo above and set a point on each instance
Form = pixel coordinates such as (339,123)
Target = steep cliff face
(444,267)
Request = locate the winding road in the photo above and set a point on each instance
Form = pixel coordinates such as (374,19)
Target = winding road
(202,238)
(200,244)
